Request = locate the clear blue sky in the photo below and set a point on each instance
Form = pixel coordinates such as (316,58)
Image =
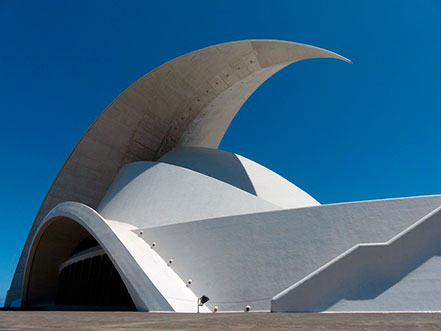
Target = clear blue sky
(341,132)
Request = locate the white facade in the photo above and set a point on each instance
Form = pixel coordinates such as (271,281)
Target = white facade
(147,190)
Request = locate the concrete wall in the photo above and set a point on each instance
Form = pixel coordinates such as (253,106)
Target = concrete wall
(149,194)
(248,259)
(403,273)
(242,173)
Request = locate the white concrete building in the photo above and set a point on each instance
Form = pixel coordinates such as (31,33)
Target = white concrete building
(148,214)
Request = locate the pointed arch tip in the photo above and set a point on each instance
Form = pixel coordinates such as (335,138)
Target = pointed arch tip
(326,53)
(330,54)
(311,51)
(320,52)
(345,59)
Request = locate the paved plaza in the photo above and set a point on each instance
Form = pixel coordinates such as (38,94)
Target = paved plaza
(55,320)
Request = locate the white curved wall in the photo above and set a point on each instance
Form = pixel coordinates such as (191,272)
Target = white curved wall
(248,259)
(241,173)
(148,194)
(276,189)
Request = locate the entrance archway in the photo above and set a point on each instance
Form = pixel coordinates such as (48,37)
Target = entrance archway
(68,268)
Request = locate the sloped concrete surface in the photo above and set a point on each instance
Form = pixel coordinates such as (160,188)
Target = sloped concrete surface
(148,194)
(248,259)
(403,273)
(242,173)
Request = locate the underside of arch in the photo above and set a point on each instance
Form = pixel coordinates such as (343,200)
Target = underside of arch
(88,282)
(66,226)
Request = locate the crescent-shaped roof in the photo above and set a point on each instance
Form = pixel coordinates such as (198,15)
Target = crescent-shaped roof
(188,101)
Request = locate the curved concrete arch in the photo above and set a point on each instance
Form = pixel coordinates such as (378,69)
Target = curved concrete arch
(189,101)
(59,232)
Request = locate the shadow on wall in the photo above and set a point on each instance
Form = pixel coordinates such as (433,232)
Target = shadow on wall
(365,271)
(222,165)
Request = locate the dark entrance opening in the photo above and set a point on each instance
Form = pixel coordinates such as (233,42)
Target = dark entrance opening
(69,270)
(89,279)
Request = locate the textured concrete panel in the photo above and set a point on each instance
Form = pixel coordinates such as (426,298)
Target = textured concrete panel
(419,290)
(248,259)
(403,273)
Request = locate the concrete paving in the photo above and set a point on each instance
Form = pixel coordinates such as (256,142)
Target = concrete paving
(49,320)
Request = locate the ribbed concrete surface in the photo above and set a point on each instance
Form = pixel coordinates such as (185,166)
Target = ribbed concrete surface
(10,320)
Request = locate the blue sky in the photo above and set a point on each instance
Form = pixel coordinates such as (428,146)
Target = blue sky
(341,132)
